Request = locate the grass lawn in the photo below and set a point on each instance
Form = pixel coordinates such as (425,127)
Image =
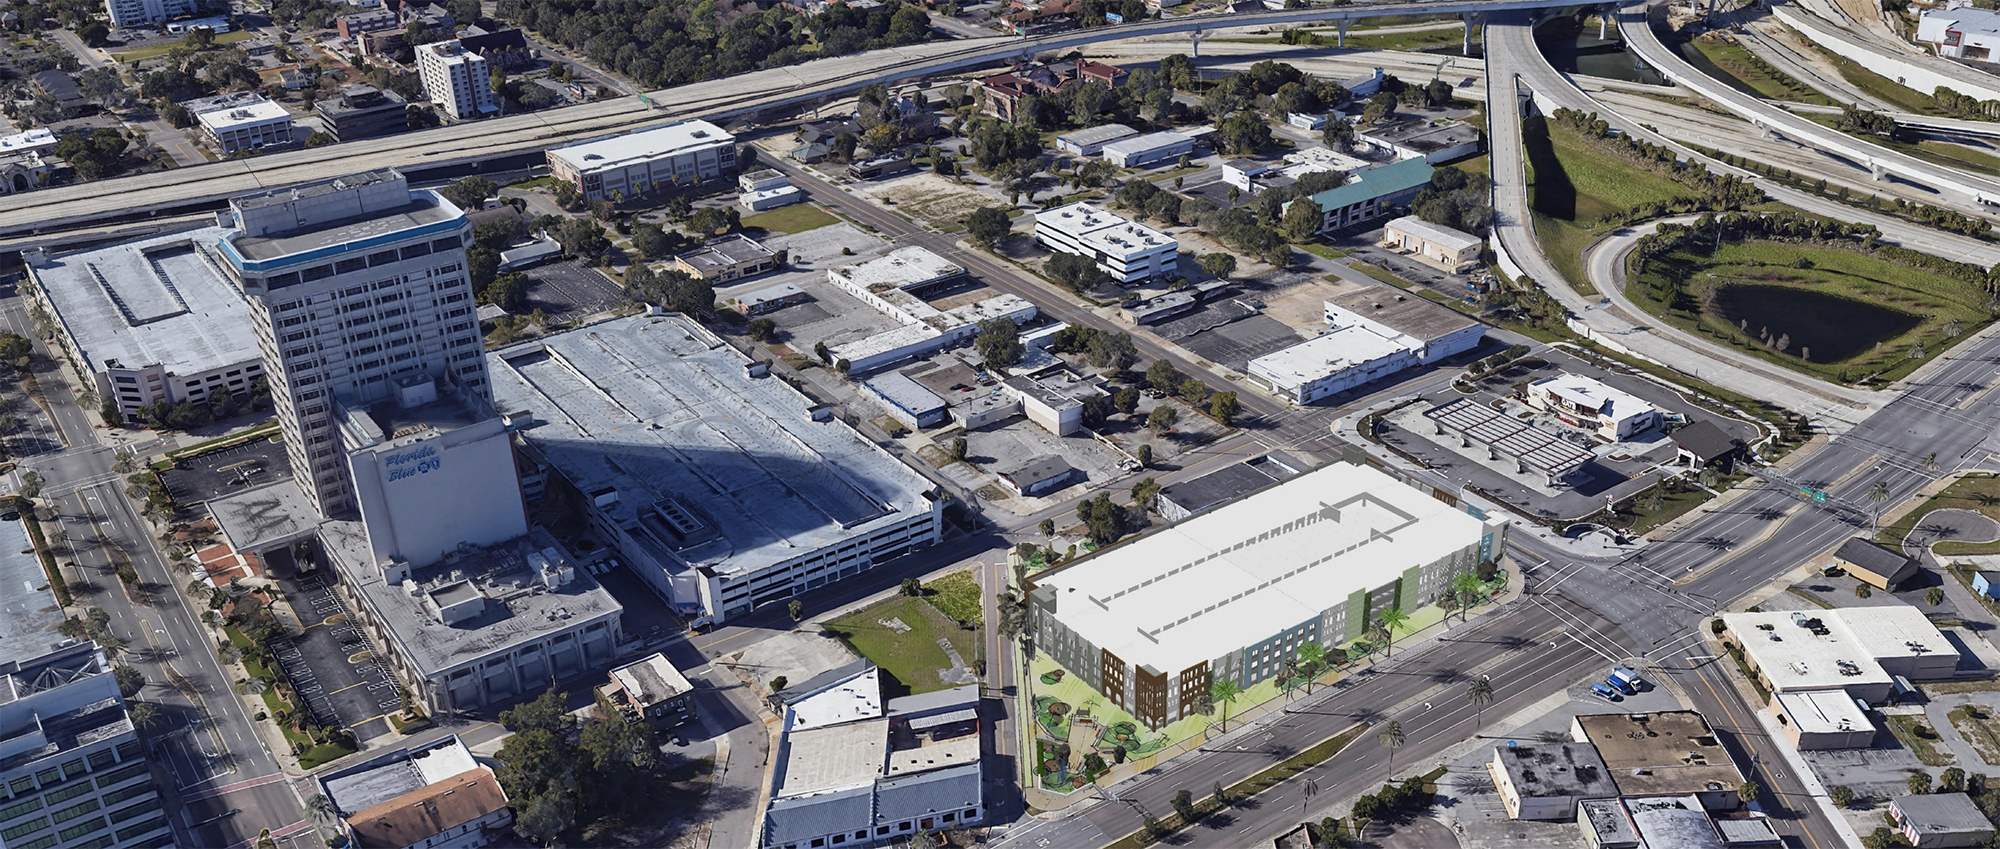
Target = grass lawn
(534,183)
(1323,251)
(797,218)
(1978,493)
(1977,725)
(1862,315)
(911,660)
(1382,274)
(1574,185)
(1408,40)
(141,54)
(957,595)
(1745,71)
(1920,738)
(1639,516)
(1905,99)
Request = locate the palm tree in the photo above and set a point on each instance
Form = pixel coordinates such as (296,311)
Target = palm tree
(321,812)
(1930,462)
(1878,494)
(1392,738)
(1223,692)
(1466,586)
(1390,620)
(1376,635)
(143,714)
(1313,655)
(1480,691)
(125,464)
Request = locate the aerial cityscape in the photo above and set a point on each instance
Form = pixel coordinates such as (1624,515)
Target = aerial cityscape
(1041,424)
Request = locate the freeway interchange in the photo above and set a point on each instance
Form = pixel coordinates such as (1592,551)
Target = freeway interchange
(1576,614)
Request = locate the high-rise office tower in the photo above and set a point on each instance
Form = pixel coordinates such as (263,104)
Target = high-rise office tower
(360,297)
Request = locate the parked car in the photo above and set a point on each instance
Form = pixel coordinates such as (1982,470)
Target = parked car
(1605,693)
(1620,686)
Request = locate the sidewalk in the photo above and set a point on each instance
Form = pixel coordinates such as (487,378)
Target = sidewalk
(1253,718)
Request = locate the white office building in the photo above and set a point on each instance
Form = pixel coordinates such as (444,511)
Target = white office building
(139,13)
(150,321)
(356,285)
(244,120)
(1965,32)
(1372,332)
(1128,251)
(1232,593)
(1609,413)
(719,485)
(457,80)
(678,155)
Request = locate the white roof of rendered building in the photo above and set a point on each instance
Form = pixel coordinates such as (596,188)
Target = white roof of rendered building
(643,146)
(1583,391)
(1325,355)
(1445,237)
(158,300)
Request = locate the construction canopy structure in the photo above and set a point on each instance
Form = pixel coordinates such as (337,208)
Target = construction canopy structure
(1533,448)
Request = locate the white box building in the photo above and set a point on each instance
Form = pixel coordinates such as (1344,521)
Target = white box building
(1127,251)
(457,80)
(1856,650)
(244,120)
(150,321)
(1965,32)
(1232,593)
(892,285)
(1148,150)
(682,154)
(139,13)
(1373,332)
(1442,246)
(1090,142)
(721,486)
(1610,414)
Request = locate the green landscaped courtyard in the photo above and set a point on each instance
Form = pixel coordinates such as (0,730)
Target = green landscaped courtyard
(901,636)
(1832,311)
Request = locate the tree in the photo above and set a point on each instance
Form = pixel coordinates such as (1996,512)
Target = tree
(144,715)
(1391,737)
(1146,494)
(1194,391)
(1047,527)
(1144,454)
(1112,351)
(1339,134)
(1480,692)
(1223,692)
(470,193)
(1162,376)
(1747,791)
(1223,406)
(1313,656)
(912,587)
(1390,620)
(988,226)
(796,609)
(958,447)
(1078,273)
(1920,783)
(1183,803)
(1952,780)
(1163,419)
(545,816)
(1219,265)
(999,343)
(652,240)
(1862,591)
(1841,795)
(779,683)
(1934,596)
(1466,587)
(762,329)
(130,681)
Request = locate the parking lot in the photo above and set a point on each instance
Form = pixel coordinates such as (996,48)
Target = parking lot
(567,289)
(335,670)
(225,471)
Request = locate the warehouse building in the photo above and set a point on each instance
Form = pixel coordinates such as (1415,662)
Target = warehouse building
(1039,476)
(1817,720)
(1128,251)
(1372,194)
(731,257)
(906,400)
(1148,150)
(722,487)
(1607,413)
(240,121)
(896,285)
(677,155)
(1090,142)
(1453,250)
(1232,593)
(1179,501)
(155,320)
(1861,651)
(1546,781)
(1433,143)
(1372,332)
(1940,820)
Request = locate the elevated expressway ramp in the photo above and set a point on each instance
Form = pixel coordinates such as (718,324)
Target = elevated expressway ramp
(190,189)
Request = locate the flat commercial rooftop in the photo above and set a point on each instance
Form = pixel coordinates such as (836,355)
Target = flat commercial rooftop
(834,757)
(1417,317)
(28,610)
(1824,711)
(902,268)
(159,300)
(1538,448)
(271,515)
(225,111)
(1099,135)
(514,613)
(642,146)
(1246,570)
(1668,752)
(1326,355)
(1846,650)
(1555,770)
(1436,234)
(659,411)
(1591,394)
(398,773)
(427,211)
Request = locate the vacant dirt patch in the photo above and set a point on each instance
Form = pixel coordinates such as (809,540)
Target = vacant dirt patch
(927,196)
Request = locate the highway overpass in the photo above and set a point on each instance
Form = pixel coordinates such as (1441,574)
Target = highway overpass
(188,189)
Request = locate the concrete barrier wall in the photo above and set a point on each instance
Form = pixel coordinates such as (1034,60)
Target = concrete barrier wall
(1908,71)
